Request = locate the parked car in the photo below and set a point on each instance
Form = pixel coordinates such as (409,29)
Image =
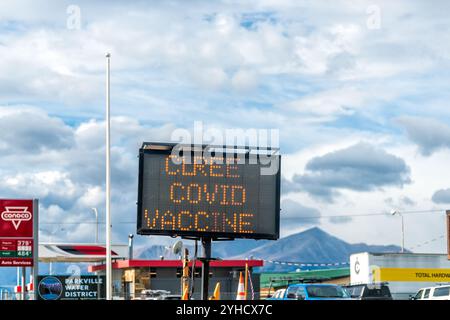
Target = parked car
(369,291)
(153,294)
(316,291)
(433,293)
(171,297)
(277,294)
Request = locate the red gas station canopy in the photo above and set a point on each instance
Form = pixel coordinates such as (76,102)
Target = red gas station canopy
(124,264)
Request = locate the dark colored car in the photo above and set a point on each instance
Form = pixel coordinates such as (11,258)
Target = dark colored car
(171,297)
(369,291)
(319,291)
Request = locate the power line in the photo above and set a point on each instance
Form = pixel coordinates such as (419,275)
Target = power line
(371,214)
(306,264)
(427,242)
(87,222)
(297,218)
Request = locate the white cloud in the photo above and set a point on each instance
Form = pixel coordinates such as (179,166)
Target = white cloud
(333,102)
(52,184)
(244,81)
(19,124)
(93,197)
(429,134)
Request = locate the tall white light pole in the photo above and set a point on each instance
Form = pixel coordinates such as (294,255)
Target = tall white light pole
(108,184)
(96,224)
(395,212)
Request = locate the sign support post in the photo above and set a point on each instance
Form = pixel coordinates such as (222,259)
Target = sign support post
(206,243)
(246,280)
(23,283)
(35,270)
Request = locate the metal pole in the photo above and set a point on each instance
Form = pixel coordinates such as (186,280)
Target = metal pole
(447,212)
(18,283)
(23,282)
(403,234)
(246,280)
(130,246)
(35,271)
(206,243)
(50,267)
(96,224)
(108,184)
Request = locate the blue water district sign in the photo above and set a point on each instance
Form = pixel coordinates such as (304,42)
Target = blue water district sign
(71,287)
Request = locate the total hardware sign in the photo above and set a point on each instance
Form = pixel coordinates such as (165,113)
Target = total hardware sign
(16,233)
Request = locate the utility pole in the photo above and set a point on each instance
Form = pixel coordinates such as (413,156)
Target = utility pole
(206,243)
(395,212)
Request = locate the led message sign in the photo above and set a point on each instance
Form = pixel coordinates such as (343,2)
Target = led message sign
(219,196)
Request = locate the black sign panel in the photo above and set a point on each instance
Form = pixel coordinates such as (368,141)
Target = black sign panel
(195,194)
(71,287)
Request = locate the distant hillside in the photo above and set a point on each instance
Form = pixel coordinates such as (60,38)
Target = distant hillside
(310,246)
(221,249)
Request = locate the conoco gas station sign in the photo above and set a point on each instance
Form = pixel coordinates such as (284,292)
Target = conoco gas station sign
(17,225)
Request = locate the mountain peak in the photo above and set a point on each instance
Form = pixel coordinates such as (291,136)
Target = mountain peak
(313,245)
(314,233)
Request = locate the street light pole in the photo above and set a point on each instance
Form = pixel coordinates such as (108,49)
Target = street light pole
(395,212)
(403,234)
(96,224)
(108,184)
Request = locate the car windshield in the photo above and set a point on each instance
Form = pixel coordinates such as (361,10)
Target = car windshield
(355,291)
(418,294)
(382,291)
(326,292)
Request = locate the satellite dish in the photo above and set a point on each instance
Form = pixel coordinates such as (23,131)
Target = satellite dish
(177,247)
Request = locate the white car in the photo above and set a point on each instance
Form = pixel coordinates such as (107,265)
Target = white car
(433,293)
(153,294)
(278,294)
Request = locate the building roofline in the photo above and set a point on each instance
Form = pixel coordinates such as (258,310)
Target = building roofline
(400,253)
(125,264)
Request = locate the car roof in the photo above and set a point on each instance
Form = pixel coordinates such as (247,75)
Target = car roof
(313,284)
(382,284)
(433,288)
(442,286)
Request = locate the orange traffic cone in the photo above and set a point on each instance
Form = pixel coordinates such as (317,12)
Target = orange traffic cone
(241,288)
(216,294)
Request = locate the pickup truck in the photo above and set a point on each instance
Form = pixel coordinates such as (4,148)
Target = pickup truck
(369,291)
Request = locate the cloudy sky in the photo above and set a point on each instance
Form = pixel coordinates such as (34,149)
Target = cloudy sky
(358,90)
